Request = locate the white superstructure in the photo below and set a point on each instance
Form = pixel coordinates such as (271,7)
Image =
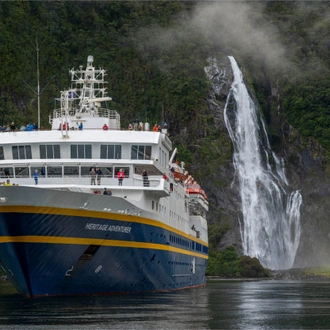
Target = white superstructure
(64,156)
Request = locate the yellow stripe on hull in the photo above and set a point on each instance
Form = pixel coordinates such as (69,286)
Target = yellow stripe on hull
(97,215)
(95,241)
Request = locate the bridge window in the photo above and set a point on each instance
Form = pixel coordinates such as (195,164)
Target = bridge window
(49,151)
(22,172)
(110,152)
(140,152)
(6,172)
(71,170)
(81,151)
(2,156)
(54,171)
(22,152)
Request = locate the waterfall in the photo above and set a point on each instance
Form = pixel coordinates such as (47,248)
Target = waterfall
(270,227)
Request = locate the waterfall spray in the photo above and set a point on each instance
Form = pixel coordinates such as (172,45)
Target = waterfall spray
(270,227)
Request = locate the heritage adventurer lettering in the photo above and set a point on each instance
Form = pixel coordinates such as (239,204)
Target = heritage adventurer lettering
(118,229)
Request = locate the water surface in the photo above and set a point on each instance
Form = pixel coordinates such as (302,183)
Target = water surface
(219,305)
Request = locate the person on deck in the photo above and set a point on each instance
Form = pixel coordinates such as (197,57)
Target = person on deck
(93,176)
(145,178)
(36,176)
(105,127)
(120,176)
(98,175)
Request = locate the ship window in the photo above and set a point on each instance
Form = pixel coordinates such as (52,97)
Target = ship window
(54,171)
(49,151)
(163,158)
(125,169)
(6,172)
(81,151)
(107,171)
(71,170)
(140,152)
(85,170)
(2,156)
(22,172)
(22,152)
(110,152)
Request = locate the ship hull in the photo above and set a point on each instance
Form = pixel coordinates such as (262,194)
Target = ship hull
(49,245)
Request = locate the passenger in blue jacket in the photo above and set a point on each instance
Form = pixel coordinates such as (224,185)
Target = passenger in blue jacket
(36,176)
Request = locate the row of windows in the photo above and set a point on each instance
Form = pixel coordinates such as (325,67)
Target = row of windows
(188,244)
(175,216)
(78,151)
(179,241)
(59,171)
(159,208)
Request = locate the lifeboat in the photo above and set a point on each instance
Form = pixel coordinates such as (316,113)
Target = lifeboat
(179,176)
(195,189)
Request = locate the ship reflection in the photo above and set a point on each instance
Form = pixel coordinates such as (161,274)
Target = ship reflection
(176,310)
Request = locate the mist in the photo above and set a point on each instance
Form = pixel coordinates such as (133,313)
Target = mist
(241,29)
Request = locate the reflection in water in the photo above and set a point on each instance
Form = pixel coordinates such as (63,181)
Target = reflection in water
(178,310)
(269,305)
(220,305)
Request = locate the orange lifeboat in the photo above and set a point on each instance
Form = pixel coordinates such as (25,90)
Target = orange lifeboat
(180,176)
(195,189)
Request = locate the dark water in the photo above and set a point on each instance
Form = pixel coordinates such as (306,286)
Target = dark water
(220,305)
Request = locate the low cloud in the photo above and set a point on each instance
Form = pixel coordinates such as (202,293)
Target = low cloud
(242,28)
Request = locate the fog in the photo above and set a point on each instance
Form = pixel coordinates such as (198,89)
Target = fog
(241,29)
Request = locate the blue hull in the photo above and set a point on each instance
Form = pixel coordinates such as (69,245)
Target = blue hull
(69,254)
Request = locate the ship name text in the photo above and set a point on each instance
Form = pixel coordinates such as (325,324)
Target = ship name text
(97,226)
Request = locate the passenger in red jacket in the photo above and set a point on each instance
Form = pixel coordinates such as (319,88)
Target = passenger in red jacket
(120,176)
(105,127)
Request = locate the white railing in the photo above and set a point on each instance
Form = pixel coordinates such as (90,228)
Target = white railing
(80,180)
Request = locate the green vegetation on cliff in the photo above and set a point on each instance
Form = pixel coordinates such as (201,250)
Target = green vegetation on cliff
(146,80)
(155,54)
(227,263)
(155,59)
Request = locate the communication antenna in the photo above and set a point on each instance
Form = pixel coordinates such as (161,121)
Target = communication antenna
(38,92)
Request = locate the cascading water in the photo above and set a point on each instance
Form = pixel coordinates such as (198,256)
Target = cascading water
(270,228)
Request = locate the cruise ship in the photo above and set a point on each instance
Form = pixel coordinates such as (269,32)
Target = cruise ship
(89,207)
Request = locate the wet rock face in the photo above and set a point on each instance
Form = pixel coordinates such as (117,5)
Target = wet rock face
(220,74)
(306,170)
